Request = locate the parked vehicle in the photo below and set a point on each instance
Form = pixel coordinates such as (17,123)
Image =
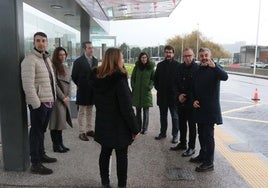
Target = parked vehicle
(259,65)
(157,59)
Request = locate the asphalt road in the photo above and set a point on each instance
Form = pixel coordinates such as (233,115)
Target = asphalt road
(244,119)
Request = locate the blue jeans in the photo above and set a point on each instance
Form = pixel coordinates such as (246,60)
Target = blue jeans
(207,143)
(164,121)
(39,121)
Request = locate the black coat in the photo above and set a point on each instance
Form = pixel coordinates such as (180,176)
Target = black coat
(165,81)
(207,92)
(185,83)
(115,119)
(80,74)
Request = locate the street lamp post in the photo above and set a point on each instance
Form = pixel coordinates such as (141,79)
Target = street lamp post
(197,39)
(182,50)
(257,39)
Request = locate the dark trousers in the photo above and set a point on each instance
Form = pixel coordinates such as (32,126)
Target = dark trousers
(186,118)
(207,143)
(121,165)
(142,124)
(164,121)
(39,121)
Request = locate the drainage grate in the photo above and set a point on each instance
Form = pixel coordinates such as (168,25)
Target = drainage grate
(175,174)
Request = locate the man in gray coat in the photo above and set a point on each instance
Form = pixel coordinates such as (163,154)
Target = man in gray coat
(38,83)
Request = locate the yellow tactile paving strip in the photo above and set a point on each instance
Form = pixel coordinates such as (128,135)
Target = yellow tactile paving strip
(248,165)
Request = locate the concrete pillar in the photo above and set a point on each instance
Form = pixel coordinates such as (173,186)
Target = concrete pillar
(103,49)
(85,27)
(13,113)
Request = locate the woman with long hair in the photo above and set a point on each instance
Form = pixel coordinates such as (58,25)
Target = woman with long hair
(142,82)
(116,126)
(61,110)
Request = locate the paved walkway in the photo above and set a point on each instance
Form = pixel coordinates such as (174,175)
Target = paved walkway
(151,164)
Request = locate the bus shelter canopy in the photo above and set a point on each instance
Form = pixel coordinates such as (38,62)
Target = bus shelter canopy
(128,9)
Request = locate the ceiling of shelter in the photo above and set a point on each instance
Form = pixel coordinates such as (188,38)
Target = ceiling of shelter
(129,9)
(69,11)
(66,11)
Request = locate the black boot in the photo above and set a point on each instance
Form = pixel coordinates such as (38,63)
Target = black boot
(61,142)
(58,148)
(64,147)
(53,134)
(56,141)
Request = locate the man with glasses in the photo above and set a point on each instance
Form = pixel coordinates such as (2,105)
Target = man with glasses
(165,84)
(185,103)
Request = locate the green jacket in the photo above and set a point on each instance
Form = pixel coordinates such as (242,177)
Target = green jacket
(141,84)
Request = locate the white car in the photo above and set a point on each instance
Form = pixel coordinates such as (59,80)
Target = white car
(157,59)
(259,65)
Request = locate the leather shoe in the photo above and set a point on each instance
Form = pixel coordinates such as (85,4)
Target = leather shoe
(196,159)
(59,148)
(178,147)
(143,132)
(106,186)
(205,167)
(174,140)
(90,133)
(47,159)
(160,136)
(38,168)
(189,152)
(83,137)
(64,147)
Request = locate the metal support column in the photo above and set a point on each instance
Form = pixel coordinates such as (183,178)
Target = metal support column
(13,113)
(85,27)
(103,49)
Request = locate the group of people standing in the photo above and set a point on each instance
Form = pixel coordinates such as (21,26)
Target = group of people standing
(189,91)
(47,87)
(47,84)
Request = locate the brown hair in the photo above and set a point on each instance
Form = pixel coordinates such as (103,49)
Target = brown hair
(57,63)
(110,63)
(169,47)
(84,44)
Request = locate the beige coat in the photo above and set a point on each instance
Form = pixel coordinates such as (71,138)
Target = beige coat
(35,79)
(61,110)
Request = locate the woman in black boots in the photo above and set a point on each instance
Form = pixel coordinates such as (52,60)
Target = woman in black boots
(61,110)
(142,84)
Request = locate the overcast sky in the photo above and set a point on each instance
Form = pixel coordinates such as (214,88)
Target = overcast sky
(221,21)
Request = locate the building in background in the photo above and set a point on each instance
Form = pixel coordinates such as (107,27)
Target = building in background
(247,55)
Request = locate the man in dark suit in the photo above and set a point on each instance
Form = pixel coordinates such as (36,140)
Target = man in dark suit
(165,84)
(206,93)
(185,103)
(82,69)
